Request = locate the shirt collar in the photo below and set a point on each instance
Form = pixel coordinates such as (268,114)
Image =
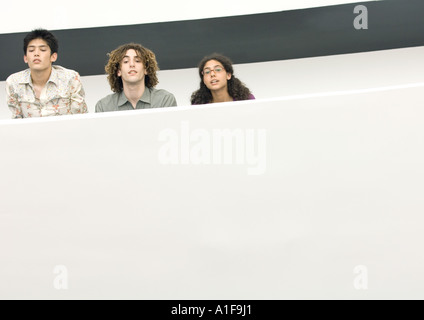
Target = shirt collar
(146,97)
(26,77)
(54,77)
(122,99)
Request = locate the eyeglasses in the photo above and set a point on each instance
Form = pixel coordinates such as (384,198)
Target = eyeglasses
(208,71)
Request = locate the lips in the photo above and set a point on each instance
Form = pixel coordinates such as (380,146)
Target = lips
(37,61)
(132,72)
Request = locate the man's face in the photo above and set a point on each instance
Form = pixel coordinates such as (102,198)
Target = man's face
(38,55)
(132,70)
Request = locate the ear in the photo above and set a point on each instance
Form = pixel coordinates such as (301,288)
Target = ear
(53,57)
(229,75)
(25,58)
(119,73)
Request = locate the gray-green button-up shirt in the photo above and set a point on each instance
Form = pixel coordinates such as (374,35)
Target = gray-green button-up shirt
(151,98)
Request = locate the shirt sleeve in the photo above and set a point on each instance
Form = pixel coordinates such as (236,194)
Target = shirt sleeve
(13,101)
(78,104)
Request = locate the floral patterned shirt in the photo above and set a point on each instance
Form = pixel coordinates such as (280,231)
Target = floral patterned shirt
(62,94)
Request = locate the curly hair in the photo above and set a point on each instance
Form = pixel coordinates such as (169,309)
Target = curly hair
(115,60)
(236,89)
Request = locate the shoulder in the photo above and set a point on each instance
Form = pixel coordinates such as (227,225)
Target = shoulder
(66,74)
(109,98)
(160,92)
(108,103)
(64,70)
(161,98)
(18,77)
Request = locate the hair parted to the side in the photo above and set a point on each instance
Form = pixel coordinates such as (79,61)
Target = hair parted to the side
(236,89)
(115,60)
(45,35)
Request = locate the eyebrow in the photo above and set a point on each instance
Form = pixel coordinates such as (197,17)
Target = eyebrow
(40,46)
(214,67)
(131,56)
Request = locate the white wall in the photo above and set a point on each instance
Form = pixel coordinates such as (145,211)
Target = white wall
(289,77)
(337,212)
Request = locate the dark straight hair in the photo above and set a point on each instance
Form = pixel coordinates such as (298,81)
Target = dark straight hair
(45,35)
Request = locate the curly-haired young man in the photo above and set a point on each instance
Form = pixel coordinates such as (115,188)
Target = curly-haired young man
(132,77)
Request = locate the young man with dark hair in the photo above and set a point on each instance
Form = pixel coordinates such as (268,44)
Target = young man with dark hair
(44,89)
(132,76)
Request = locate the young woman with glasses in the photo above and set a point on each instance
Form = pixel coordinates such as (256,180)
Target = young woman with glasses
(218,83)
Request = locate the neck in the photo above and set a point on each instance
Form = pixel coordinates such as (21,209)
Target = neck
(134,92)
(221,96)
(40,77)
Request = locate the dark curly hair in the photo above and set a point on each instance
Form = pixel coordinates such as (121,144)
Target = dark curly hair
(236,89)
(115,60)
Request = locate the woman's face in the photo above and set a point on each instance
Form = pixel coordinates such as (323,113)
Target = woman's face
(214,75)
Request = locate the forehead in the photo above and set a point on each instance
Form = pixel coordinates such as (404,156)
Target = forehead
(37,43)
(212,64)
(131,53)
